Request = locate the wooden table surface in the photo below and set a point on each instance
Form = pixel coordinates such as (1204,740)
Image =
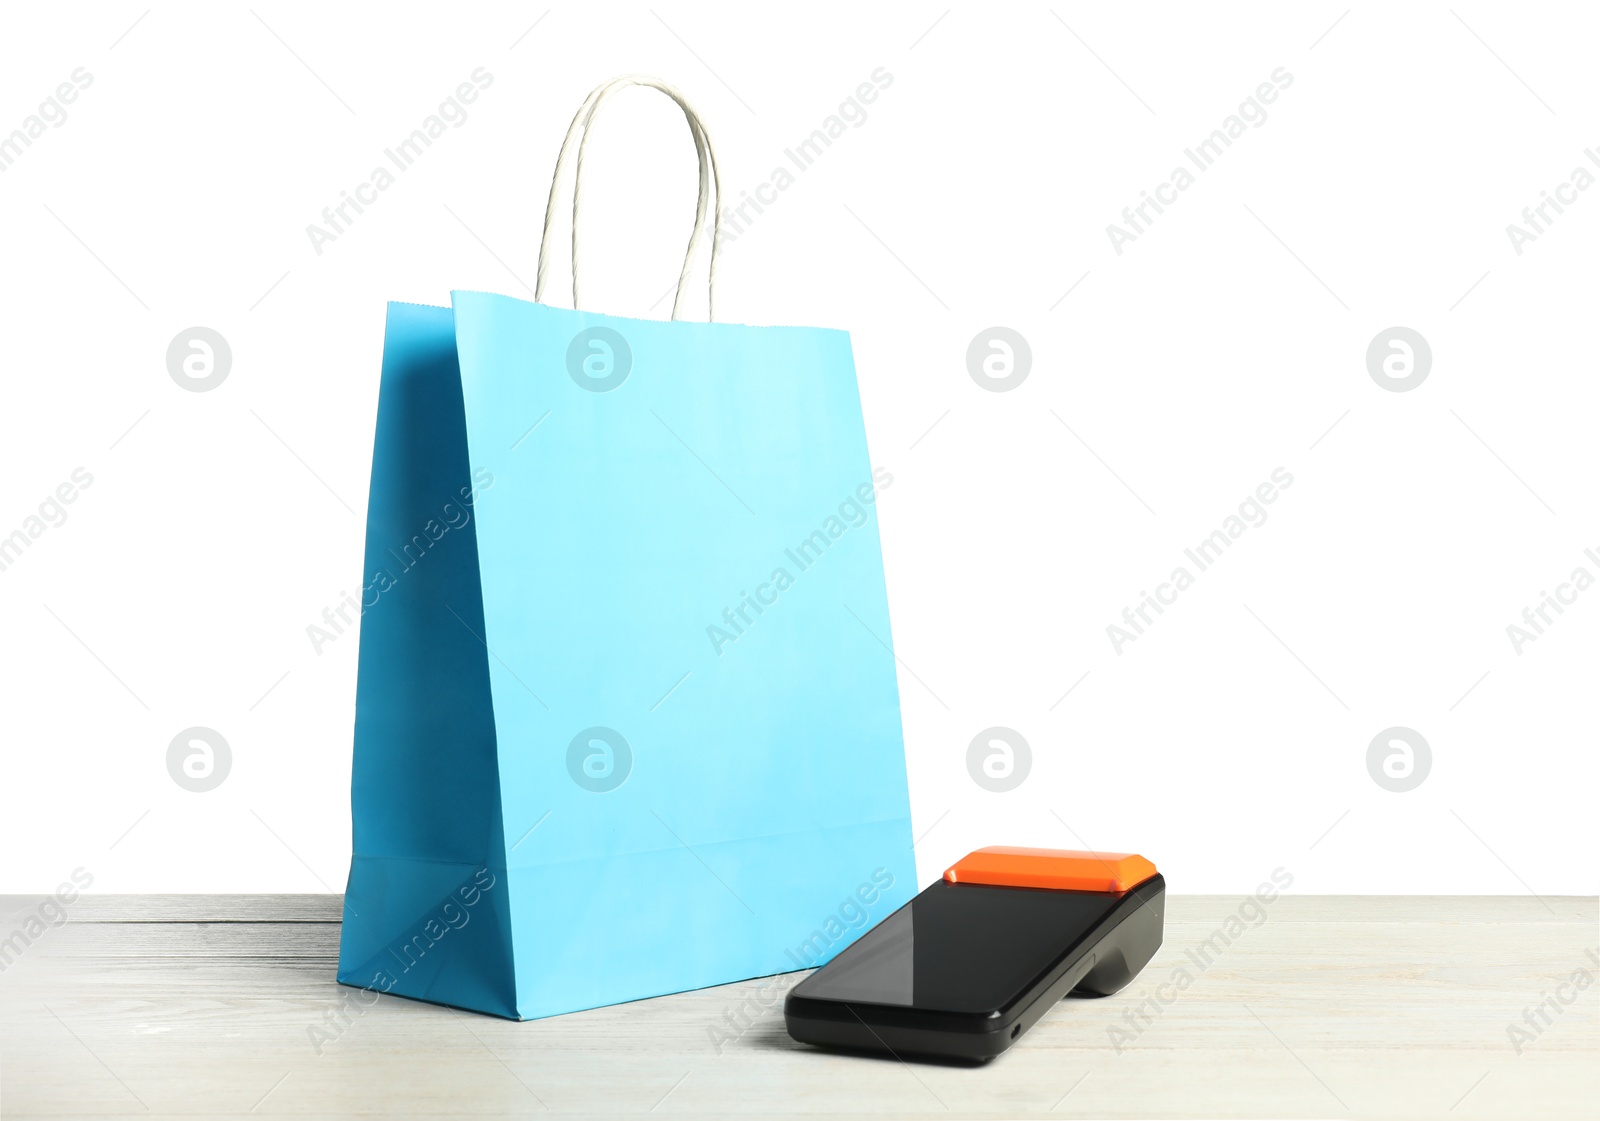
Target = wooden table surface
(221,1006)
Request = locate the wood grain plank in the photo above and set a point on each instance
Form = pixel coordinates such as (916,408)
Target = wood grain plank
(214,1006)
(91,907)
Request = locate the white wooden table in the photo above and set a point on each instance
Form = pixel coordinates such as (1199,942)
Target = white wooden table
(221,1006)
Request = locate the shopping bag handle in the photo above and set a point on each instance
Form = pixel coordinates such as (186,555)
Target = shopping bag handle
(704,153)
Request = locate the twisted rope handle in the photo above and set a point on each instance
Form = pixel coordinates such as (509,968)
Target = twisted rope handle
(704,153)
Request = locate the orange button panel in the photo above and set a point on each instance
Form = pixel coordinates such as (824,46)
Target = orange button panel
(1007,866)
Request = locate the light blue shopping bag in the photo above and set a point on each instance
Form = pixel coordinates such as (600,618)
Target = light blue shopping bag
(626,719)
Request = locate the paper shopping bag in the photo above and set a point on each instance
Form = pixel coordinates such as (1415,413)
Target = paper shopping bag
(626,719)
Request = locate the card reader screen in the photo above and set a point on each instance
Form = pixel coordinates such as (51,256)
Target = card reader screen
(959,947)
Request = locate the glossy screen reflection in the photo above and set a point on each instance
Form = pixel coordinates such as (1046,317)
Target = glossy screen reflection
(960,948)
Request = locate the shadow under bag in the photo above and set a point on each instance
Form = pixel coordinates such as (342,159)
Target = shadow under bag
(626,716)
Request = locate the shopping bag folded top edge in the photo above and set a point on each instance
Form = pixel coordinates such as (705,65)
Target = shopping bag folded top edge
(603,316)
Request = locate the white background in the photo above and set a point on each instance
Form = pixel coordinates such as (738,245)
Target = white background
(1227,341)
